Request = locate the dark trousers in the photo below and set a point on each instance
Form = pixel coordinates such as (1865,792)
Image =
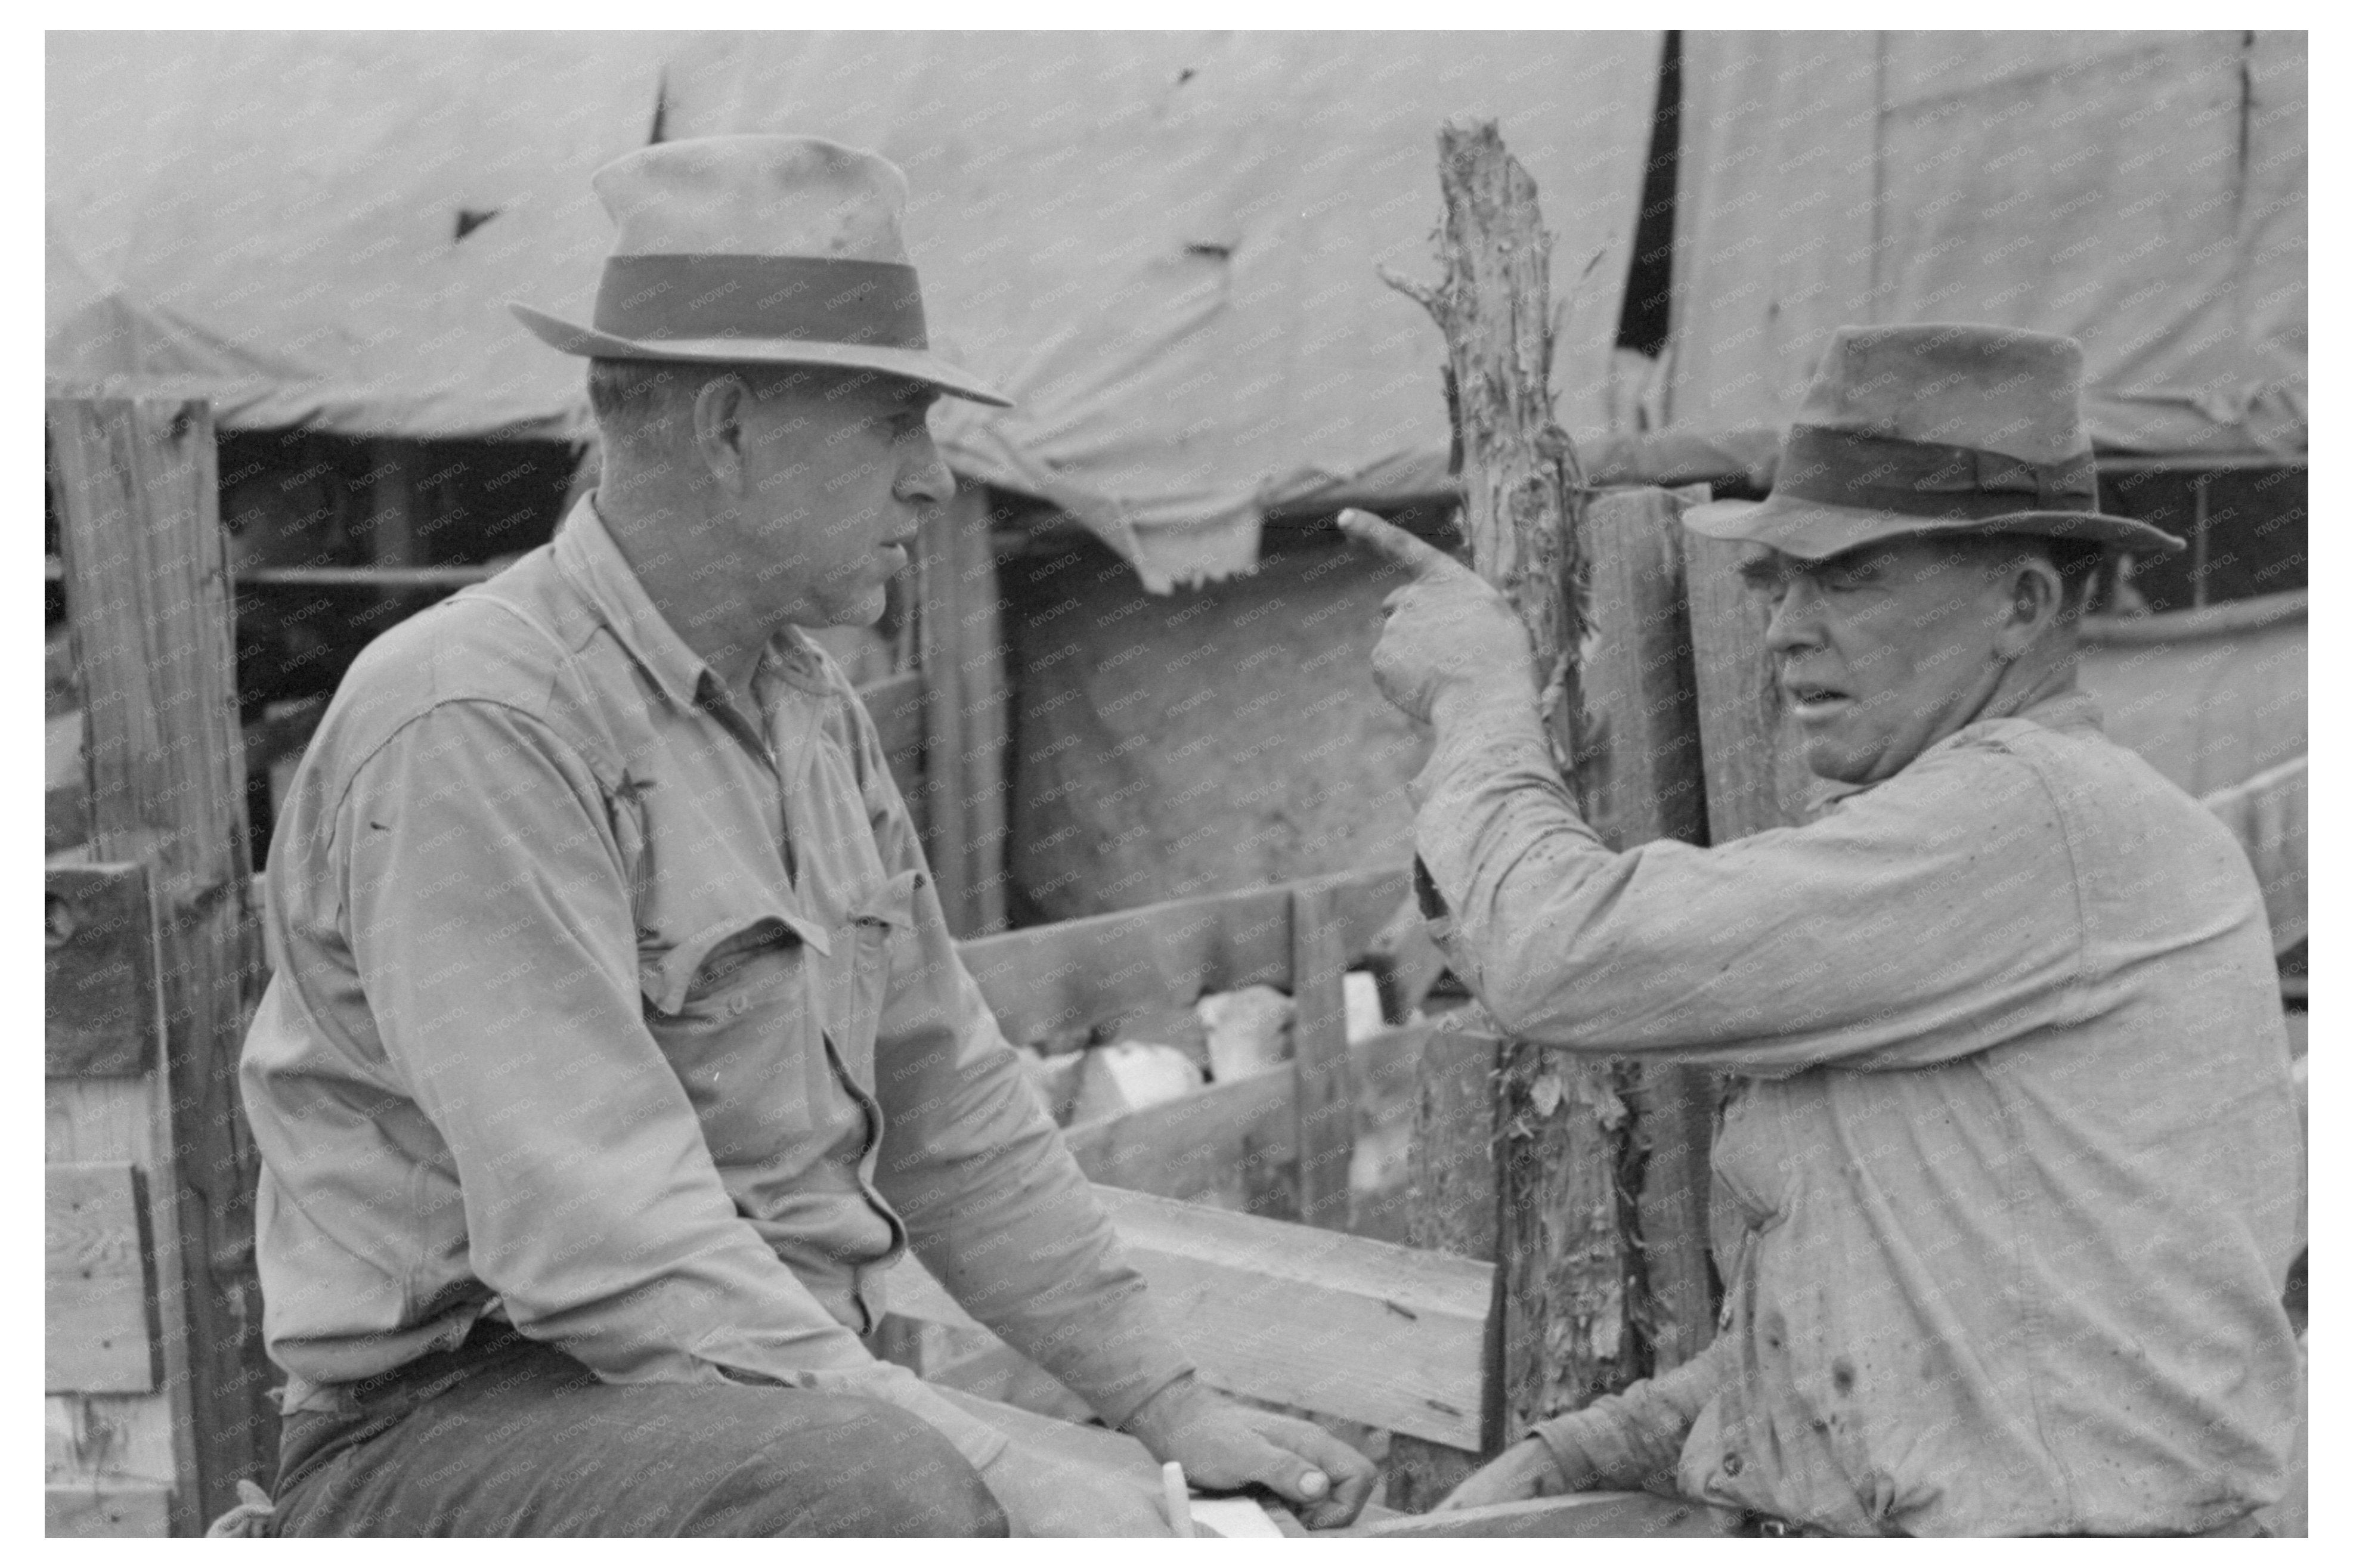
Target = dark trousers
(505,1436)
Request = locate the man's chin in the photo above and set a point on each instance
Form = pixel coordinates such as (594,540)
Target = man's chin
(1827,757)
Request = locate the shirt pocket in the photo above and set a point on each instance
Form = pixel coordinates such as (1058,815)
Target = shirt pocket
(875,931)
(729,1005)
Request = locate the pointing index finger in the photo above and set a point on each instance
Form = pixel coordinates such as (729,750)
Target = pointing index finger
(1385,538)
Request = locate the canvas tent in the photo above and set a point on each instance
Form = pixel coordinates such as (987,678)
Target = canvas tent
(317,229)
(1163,244)
(2141,192)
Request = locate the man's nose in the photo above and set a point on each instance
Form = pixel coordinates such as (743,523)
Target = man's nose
(1797,619)
(927,477)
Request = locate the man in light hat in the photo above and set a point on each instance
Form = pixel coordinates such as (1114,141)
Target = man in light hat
(2011,1135)
(619,1046)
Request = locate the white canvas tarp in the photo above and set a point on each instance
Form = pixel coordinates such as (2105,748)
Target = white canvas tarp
(319,229)
(1162,245)
(2141,192)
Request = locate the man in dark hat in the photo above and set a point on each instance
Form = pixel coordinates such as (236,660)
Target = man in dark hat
(2012,1136)
(619,1046)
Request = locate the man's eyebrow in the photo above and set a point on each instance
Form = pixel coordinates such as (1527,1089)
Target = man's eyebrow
(1760,572)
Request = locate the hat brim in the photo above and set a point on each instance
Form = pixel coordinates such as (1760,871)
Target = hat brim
(915,364)
(1814,531)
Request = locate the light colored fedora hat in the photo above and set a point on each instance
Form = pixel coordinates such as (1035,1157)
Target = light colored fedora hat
(1937,428)
(758,250)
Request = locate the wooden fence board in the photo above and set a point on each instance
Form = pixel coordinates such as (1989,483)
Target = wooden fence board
(101,1013)
(1323,1099)
(1390,1336)
(1047,982)
(1218,1142)
(1605,1515)
(98,1303)
(137,487)
(125,1508)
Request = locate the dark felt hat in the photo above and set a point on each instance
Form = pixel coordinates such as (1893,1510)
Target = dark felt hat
(1937,428)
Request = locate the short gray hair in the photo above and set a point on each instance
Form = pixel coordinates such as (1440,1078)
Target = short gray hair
(640,402)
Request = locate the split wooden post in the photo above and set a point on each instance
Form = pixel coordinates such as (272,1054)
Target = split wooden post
(960,649)
(148,593)
(1755,779)
(1563,1258)
(1640,768)
(1325,1097)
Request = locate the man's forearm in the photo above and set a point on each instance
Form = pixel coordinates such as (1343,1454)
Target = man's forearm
(1634,1440)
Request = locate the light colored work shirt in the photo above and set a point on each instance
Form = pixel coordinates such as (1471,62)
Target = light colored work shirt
(631,1015)
(2013,1140)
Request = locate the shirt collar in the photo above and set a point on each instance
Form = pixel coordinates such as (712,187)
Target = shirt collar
(2067,710)
(603,576)
(596,568)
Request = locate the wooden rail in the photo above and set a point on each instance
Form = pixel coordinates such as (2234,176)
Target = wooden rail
(1391,1336)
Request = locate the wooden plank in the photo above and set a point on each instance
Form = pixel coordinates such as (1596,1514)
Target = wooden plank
(119,1509)
(1390,1336)
(1324,1101)
(2267,814)
(1755,779)
(895,704)
(1642,781)
(99,1439)
(1609,1515)
(146,582)
(99,1282)
(1048,981)
(101,1008)
(962,658)
(982,691)
(94,1439)
(1224,1141)
(1452,1158)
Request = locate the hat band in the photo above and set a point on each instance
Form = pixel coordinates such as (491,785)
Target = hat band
(1926,479)
(811,298)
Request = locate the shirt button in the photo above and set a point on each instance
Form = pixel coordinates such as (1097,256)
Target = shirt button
(1732,1464)
(737,1003)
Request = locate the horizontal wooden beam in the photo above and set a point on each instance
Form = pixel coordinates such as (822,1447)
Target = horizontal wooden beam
(1187,1148)
(116,1507)
(1048,981)
(102,1333)
(101,1017)
(1610,1515)
(1390,1336)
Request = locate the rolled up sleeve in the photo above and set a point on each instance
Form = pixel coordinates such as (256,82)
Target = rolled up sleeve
(1915,924)
(994,1204)
(490,920)
(1634,1440)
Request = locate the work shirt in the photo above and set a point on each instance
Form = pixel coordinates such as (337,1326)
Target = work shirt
(614,1009)
(2013,1139)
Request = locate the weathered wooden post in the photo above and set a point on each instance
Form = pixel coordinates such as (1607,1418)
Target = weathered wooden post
(1539,1173)
(148,598)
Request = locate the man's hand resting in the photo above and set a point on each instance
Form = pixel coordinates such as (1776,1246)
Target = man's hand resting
(1451,640)
(1224,1445)
(1526,1469)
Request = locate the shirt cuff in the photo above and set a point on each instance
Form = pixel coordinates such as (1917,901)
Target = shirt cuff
(1564,1439)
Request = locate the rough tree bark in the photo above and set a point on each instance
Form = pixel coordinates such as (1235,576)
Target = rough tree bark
(1561,1246)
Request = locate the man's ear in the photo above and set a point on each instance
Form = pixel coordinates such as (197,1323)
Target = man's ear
(2037,597)
(719,433)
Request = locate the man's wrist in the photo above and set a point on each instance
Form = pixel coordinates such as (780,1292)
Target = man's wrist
(1167,1412)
